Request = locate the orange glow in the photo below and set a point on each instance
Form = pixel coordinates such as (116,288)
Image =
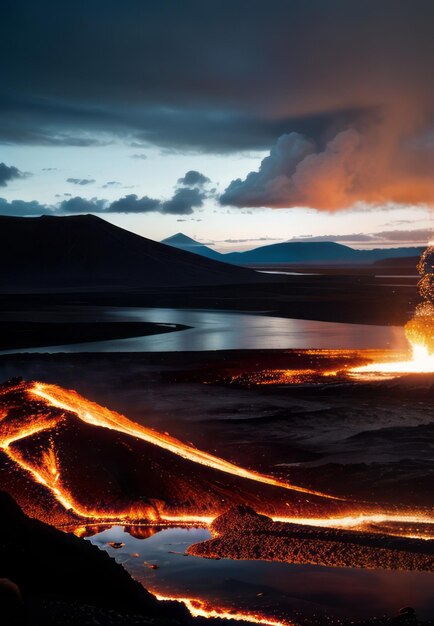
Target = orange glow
(96,415)
(200,608)
(358,521)
(422,362)
(47,471)
(419,330)
(189,519)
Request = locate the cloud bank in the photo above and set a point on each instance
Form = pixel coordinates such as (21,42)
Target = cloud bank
(340,91)
(352,167)
(183,202)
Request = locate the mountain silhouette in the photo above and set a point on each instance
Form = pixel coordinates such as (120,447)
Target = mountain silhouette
(316,252)
(85,251)
(182,242)
(297,252)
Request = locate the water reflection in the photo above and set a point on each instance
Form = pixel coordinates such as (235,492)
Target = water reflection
(218,330)
(275,589)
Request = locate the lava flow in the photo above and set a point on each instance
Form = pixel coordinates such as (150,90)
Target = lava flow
(70,461)
(200,608)
(92,413)
(100,466)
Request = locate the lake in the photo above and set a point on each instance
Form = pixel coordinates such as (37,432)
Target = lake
(220,330)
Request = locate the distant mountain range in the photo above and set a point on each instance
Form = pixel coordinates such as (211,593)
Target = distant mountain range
(85,251)
(296,252)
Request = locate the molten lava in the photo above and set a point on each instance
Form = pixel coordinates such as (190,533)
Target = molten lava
(60,440)
(200,608)
(92,413)
(422,362)
(45,431)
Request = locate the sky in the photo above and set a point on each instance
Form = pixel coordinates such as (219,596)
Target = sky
(238,123)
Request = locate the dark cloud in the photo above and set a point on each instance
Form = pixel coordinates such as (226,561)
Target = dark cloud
(193,178)
(350,238)
(82,205)
(9,172)
(143,157)
(133,204)
(247,240)
(111,183)
(183,201)
(234,84)
(349,82)
(21,208)
(419,236)
(80,181)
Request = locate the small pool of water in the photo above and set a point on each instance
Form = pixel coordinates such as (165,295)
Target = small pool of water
(306,593)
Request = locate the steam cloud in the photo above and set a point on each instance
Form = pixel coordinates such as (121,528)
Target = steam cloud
(377,164)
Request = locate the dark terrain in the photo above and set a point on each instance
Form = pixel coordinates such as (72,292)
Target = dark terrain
(86,252)
(15,335)
(243,534)
(359,440)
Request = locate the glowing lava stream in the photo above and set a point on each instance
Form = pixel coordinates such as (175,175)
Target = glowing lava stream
(199,608)
(355,521)
(358,521)
(422,362)
(93,414)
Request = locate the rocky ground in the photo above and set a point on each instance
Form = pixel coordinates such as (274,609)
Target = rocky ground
(357,440)
(243,534)
(51,578)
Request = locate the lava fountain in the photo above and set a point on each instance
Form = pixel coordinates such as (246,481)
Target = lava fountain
(419,330)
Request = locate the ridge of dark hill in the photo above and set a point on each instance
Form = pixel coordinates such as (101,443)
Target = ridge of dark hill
(183,242)
(85,251)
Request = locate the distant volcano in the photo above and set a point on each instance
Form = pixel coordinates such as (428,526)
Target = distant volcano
(66,459)
(182,242)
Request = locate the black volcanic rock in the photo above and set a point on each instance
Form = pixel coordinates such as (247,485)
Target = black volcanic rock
(60,573)
(85,251)
(242,534)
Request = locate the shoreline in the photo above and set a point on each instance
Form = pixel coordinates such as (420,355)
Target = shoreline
(22,335)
